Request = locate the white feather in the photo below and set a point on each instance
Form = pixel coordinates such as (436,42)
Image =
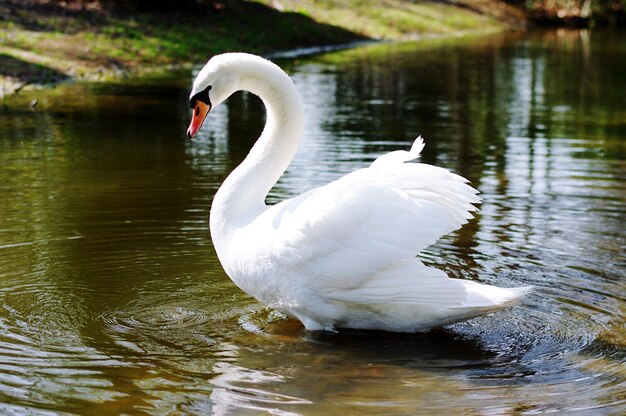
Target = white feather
(342,255)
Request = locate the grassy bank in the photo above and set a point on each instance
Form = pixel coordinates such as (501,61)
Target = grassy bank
(46,42)
(402,19)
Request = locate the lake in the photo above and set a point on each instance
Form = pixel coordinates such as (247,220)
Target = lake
(112,300)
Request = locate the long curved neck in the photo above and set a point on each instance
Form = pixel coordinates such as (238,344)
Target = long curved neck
(242,195)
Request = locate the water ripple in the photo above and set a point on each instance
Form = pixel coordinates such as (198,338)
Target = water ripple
(112,300)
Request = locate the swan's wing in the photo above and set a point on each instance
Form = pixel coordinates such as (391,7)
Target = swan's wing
(369,223)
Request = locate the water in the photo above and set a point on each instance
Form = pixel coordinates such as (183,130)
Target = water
(112,300)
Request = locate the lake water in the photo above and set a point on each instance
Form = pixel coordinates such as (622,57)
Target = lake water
(112,300)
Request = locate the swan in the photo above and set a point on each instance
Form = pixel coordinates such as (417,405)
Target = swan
(343,255)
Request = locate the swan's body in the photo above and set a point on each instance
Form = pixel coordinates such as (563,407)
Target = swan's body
(342,255)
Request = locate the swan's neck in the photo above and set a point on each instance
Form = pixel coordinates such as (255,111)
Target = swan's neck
(241,198)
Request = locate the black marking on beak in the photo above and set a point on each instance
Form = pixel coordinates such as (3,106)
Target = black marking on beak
(202,96)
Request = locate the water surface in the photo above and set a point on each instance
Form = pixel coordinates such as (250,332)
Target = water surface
(112,300)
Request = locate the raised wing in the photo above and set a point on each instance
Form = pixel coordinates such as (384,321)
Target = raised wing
(370,222)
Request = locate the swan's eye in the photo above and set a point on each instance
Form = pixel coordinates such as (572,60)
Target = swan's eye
(202,96)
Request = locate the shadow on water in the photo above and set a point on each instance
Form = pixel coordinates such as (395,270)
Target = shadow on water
(436,349)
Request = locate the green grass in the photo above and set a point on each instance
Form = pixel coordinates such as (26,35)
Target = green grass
(393,19)
(98,44)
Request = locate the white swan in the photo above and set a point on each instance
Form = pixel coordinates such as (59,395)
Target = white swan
(342,255)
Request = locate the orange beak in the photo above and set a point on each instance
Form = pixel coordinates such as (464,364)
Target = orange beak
(197,118)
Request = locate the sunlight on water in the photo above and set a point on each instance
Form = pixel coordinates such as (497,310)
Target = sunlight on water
(112,300)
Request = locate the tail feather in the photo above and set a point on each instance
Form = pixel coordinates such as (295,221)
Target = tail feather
(412,282)
(397,157)
(487,296)
(417,147)
(412,297)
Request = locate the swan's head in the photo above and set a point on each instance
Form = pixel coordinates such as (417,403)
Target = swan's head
(214,83)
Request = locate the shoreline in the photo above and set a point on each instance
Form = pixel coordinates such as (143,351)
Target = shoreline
(44,44)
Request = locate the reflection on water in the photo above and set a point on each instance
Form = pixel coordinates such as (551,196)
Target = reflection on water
(112,300)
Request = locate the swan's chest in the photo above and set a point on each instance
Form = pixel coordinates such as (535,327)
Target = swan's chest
(260,264)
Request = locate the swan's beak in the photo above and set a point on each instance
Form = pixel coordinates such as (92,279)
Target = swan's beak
(197,118)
